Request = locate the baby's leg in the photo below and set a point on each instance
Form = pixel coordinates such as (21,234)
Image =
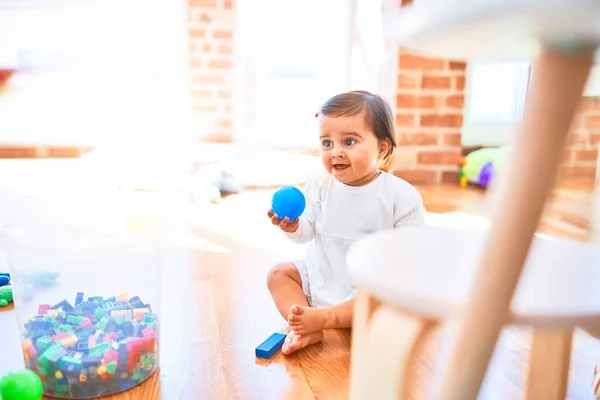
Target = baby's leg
(285,284)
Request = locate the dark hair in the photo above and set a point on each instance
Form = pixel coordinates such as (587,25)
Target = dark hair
(378,114)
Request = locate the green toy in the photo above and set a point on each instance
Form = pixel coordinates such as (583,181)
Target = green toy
(481,166)
(21,385)
(6,295)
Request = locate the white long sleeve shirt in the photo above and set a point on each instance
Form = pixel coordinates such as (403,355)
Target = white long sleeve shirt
(337,215)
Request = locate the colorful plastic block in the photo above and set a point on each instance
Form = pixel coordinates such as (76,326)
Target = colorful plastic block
(94,348)
(270,346)
(4,279)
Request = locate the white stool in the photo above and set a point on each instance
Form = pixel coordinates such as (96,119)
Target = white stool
(561,37)
(412,279)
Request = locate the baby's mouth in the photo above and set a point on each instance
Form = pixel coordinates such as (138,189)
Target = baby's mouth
(339,167)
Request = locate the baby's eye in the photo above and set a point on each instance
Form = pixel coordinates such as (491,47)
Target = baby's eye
(327,143)
(349,142)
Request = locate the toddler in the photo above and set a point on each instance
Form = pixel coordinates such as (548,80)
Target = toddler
(351,198)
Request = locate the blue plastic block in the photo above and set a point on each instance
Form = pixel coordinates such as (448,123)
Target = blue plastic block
(270,346)
(4,279)
(65,305)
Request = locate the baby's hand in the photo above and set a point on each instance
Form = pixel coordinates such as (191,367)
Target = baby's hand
(284,224)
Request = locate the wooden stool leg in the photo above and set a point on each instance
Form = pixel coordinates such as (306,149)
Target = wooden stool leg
(557,82)
(392,337)
(364,307)
(549,365)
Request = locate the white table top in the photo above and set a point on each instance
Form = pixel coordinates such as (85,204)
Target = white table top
(430,271)
(500,29)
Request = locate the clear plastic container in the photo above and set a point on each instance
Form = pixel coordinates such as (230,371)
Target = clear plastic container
(87,298)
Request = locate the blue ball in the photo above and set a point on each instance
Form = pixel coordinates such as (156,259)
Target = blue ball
(288,201)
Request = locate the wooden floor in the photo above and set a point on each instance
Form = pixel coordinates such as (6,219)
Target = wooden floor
(568,214)
(229,290)
(216,310)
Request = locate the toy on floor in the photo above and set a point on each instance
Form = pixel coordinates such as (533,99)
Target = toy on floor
(21,385)
(4,278)
(480,167)
(270,346)
(92,347)
(6,295)
(288,201)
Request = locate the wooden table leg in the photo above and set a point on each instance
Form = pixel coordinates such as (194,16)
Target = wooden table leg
(549,365)
(364,307)
(392,338)
(557,83)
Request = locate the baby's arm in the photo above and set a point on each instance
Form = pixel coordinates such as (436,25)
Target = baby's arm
(409,209)
(415,217)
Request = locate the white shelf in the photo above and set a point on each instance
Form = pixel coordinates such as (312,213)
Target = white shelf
(508,29)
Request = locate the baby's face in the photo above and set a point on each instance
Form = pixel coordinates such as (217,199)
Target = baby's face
(349,150)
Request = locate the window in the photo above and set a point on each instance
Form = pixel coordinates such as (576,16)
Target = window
(290,57)
(94,72)
(368,46)
(495,95)
(498,91)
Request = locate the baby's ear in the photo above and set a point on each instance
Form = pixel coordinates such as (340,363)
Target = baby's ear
(384,147)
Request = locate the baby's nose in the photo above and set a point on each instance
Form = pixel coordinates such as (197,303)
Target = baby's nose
(337,154)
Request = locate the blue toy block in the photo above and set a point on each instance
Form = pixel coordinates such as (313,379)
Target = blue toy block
(79,298)
(4,279)
(270,346)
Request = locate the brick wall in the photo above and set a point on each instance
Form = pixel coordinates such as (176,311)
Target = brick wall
(42,152)
(211,30)
(581,156)
(429,117)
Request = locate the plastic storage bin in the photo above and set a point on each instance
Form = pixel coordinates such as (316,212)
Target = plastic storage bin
(87,299)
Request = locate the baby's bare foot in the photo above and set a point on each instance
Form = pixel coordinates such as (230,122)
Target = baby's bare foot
(294,342)
(305,320)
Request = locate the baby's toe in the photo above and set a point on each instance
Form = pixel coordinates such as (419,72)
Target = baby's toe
(285,349)
(295,343)
(295,309)
(294,319)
